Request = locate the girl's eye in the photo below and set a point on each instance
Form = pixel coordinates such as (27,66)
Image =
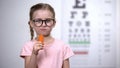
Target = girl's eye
(38,20)
(48,20)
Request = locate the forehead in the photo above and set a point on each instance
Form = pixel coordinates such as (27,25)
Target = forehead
(43,14)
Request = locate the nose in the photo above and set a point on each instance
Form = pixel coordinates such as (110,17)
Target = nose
(43,23)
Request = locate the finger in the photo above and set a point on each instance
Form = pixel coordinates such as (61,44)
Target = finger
(39,44)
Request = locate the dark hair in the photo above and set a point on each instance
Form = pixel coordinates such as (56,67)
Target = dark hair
(39,6)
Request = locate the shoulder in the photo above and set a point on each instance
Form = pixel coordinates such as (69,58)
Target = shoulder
(61,43)
(58,41)
(27,49)
(29,43)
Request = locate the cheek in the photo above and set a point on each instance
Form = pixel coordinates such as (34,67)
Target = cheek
(36,29)
(49,29)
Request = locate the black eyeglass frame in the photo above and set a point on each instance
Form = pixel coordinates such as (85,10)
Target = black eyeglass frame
(43,21)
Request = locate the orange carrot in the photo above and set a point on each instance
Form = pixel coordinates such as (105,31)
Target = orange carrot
(41,38)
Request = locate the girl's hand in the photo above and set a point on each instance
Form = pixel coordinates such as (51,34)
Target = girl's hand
(37,46)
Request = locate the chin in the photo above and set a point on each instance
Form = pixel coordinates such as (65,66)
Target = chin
(45,34)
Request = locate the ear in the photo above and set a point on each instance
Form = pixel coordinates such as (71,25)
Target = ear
(30,23)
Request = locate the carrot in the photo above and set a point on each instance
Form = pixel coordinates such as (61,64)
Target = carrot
(41,38)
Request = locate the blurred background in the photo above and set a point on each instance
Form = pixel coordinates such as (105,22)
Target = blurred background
(90,27)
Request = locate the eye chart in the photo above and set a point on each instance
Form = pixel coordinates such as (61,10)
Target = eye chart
(88,26)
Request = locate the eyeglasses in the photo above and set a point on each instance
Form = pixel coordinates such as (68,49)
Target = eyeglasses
(39,22)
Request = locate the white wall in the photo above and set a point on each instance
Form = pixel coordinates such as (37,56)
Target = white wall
(118,33)
(14,30)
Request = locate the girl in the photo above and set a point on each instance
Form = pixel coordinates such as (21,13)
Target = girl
(53,53)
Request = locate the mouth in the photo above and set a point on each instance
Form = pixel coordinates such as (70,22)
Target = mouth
(43,29)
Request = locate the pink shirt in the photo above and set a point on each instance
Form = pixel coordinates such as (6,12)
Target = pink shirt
(51,56)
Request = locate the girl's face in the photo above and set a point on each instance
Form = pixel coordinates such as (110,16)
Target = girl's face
(42,22)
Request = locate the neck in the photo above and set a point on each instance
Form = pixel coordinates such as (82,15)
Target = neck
(48,40)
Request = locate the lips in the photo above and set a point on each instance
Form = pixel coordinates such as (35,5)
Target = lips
(43,29)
